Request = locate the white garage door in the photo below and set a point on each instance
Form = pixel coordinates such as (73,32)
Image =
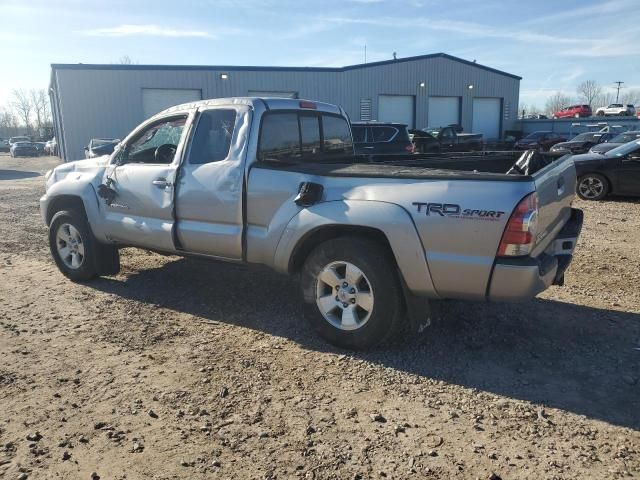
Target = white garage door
(155,100)
(443,111)
(396,108)
(486,117)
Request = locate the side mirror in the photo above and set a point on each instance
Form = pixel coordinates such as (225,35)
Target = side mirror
(86,149)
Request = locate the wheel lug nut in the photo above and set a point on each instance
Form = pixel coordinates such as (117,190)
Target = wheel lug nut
(337,287)
(345,305)
(353,300)
(353,290)
(345,285)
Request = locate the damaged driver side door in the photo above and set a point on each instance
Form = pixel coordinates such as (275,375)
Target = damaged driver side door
(142,173)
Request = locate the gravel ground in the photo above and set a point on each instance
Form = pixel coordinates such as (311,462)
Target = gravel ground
(177,369)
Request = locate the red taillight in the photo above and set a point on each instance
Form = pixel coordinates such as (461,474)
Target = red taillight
(411,148)
(307,104)
(519,235)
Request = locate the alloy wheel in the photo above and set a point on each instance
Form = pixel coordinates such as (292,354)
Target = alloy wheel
(70,246)
(344,295)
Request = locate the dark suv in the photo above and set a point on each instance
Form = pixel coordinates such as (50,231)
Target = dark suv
(541,141)
(377,138)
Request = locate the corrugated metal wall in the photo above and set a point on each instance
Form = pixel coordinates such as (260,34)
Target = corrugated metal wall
(108,102)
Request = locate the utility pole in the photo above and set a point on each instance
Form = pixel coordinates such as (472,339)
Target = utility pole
(619,83)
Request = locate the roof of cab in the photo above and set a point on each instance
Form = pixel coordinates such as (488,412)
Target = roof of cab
(269,103)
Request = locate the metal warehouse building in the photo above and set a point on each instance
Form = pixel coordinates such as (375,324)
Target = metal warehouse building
(93,101)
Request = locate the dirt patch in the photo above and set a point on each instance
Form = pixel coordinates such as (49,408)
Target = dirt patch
(180,369)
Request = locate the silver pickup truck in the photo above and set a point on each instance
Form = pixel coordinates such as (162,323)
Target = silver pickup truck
(275,182)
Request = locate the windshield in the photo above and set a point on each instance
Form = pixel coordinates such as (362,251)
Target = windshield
(19,139)
(625,137)
(434,132)
(625,149)
(100,142)
(585,137)
(536,135)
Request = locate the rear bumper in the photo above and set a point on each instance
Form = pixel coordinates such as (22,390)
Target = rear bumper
(522,278)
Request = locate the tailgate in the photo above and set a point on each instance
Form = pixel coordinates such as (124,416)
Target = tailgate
(555,186)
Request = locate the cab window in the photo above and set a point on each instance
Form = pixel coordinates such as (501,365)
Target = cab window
(155,144)
(336,136)
(212,138)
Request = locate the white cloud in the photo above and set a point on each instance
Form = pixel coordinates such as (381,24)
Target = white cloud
(150,30)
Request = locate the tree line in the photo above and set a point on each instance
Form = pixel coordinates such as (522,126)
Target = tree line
(589,93)
(26,113)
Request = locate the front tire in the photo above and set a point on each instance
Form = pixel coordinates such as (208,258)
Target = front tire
(78,255)
(592,186)
(352,293)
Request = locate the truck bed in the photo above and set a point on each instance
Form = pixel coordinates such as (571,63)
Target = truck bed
(486,166)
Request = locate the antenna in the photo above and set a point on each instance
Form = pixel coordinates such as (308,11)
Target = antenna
(395,56)
(619,83)
(365,53)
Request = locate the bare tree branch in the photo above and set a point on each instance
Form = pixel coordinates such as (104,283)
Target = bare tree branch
(556,102)
(589,90)
(23,107)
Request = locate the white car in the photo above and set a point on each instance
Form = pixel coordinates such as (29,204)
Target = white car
(616,109)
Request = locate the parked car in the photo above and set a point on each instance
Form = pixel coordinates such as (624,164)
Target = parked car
(39,147)
(4,145)
(100,146)
(616,109)
(23,149)
(574,111)
(13,140)
(616,141)
(363,238)
(51,147)
(581,143)
(541,141)
(445,139)
(615,172)
(535,116)
(378,138)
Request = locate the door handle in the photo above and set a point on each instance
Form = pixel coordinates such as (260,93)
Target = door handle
(161,183)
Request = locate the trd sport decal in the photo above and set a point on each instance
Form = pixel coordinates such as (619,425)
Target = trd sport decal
(455,211)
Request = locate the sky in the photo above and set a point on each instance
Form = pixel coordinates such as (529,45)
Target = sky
(553,45)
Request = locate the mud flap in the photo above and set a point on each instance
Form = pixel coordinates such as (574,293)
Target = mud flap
(107,259)
(419,310)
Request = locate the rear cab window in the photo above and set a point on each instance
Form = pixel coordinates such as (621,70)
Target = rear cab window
(303,136)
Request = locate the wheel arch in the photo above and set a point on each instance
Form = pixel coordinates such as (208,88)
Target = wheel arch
(321,234)
(388,224)
(64,202)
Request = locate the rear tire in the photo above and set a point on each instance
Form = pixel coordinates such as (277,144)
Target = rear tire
(352,294)
(592,186)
